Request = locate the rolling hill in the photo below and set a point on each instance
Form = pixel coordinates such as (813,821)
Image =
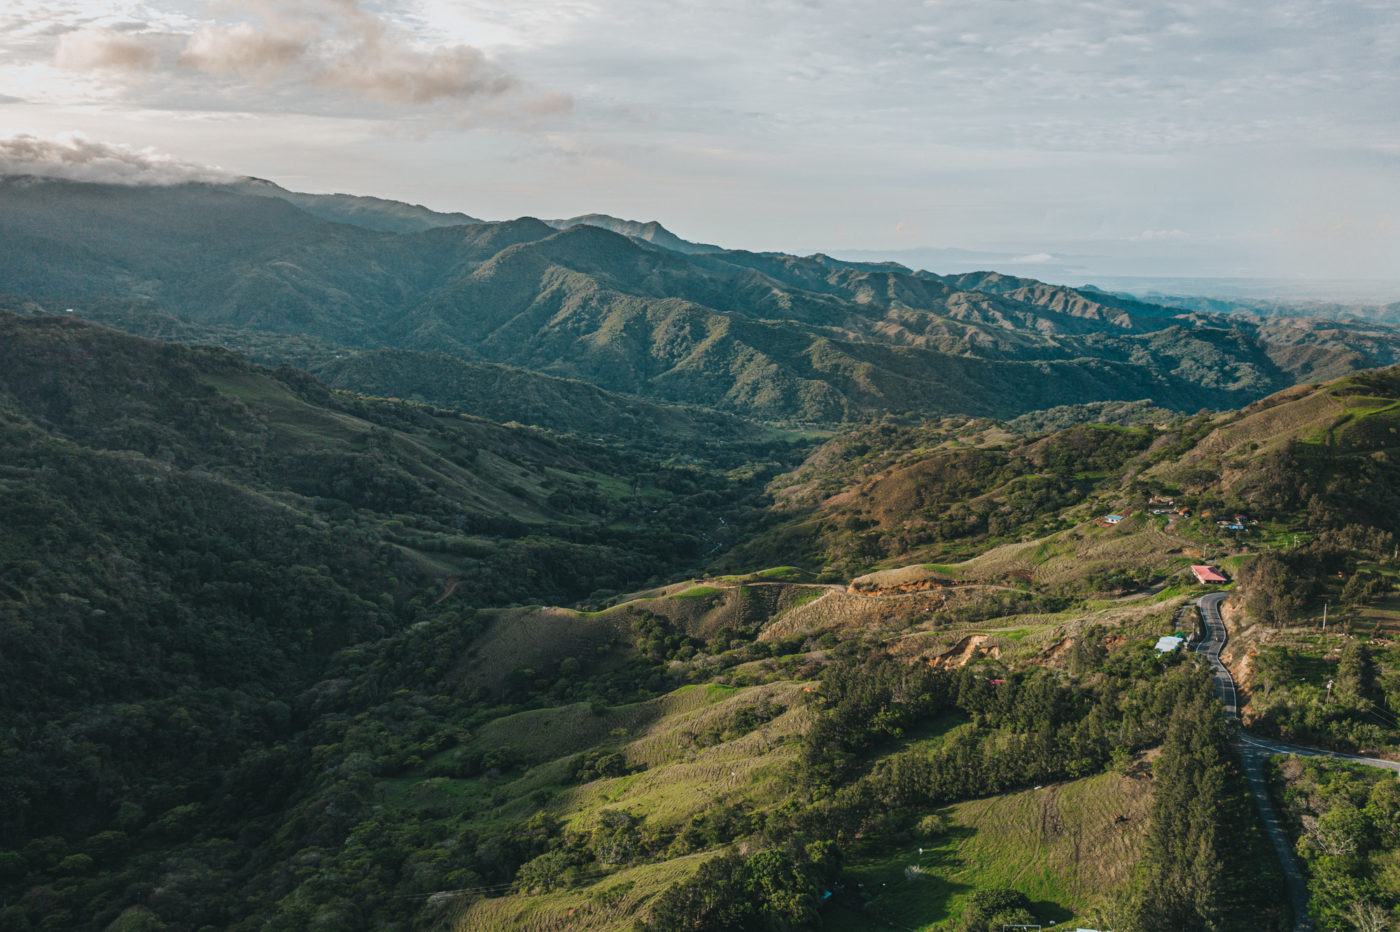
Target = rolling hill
(523,601)
(309,593)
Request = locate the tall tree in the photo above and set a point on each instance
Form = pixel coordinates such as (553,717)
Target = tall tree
(1178,887)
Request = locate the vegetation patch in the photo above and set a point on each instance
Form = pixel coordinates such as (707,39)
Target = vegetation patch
(697,592)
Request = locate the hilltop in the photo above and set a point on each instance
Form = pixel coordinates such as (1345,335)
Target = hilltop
(649,231)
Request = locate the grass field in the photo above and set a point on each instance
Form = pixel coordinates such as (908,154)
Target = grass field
(608,902)
(1378,620)
(1063,846)
(673,778)
(696,592)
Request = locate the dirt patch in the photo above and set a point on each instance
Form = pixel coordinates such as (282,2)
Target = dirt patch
(964,652)
(449,586)
(842,611)
(922,585)
(1246,636)
(1052,823)
(1054,652)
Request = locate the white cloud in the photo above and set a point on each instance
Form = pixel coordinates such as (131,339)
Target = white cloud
(241,49)
(96,49)
(394,73)
(75,157)
(334,46)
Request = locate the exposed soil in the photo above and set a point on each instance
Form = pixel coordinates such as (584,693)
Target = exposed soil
(964,652)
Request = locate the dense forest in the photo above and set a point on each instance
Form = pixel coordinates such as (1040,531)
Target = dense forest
(279,655)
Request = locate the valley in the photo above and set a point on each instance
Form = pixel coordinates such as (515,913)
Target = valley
(370,567)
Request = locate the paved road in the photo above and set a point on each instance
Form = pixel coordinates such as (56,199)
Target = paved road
(1256,751)
(1273,746)
(1211,645)
(1254,757)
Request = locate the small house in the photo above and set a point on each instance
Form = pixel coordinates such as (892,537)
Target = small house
(1207,575)
(1168,643)
(1113,519)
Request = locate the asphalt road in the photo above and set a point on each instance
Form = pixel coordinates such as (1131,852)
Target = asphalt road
(1255,751)
(1253,756)
(1212,644)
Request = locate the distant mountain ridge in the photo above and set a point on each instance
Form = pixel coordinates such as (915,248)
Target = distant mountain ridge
(764,335)
(388,216)
(650,231)
(372,213)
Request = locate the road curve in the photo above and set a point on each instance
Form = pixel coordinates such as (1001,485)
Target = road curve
(1210,646)
(1254,754)
(1255,751)
(1272,746)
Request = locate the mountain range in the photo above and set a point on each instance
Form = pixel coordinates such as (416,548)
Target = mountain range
(764,335)
(400,570)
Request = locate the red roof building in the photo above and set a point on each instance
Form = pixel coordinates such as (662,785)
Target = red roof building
(1205,575)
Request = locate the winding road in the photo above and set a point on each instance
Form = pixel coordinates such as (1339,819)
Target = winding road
(1255,751)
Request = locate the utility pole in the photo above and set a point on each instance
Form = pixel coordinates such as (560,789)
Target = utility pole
(1324,622)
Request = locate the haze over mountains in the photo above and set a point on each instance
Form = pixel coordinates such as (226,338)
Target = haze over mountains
(762,335)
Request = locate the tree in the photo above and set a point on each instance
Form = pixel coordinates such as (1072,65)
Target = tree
(1179,885)
(989,910)
(784,892)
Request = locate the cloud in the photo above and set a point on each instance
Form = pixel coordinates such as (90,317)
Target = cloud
(332,45)
(390,72)
(76,158)
(105,49)
(1039,258)
(1149,236)
(241,49)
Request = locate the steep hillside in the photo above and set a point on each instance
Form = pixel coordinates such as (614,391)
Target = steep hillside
(945,489)
(505,393)
(290,651)
(769,336)
(164,490)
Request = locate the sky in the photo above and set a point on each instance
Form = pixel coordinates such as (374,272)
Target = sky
(1061,140)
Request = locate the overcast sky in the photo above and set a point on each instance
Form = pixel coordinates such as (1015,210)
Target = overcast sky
(1201,138)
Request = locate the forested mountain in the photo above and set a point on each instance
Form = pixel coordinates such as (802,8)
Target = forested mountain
(272,654)
(373,213)
(650,230)
(764,335)
(398,570)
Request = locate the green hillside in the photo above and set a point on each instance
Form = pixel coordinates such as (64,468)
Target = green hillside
(767,336)
(258,640)
(406,573)
(190,541)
